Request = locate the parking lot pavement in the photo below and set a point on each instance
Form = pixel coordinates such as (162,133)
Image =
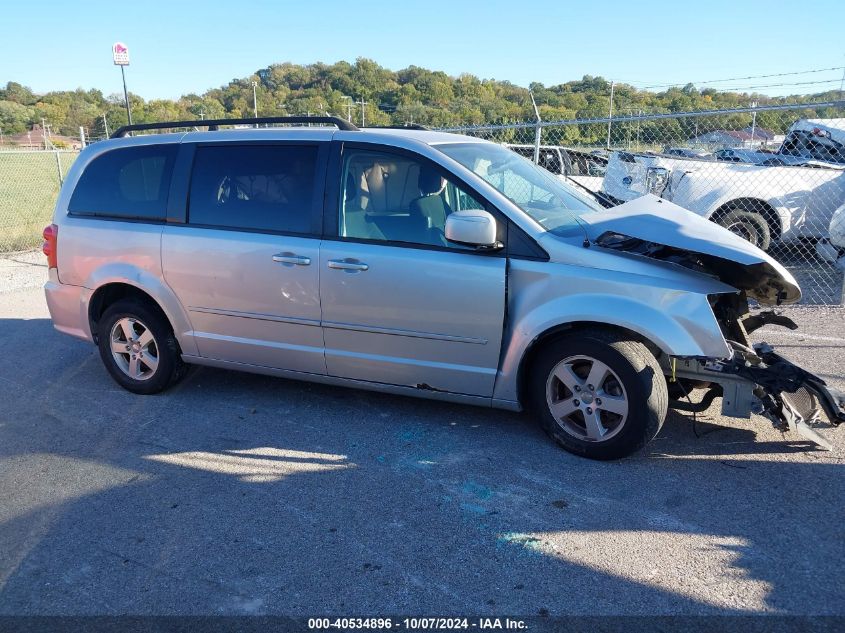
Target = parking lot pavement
(242,494)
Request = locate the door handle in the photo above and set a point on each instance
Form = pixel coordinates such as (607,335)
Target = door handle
(341,264)
(290,258)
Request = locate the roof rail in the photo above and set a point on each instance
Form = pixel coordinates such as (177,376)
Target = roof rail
(406,126)
(213,124)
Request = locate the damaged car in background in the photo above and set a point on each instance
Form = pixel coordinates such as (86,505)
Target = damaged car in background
(418,263)
(764,197)
(585,169)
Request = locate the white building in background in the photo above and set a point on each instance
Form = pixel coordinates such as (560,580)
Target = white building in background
(759,137)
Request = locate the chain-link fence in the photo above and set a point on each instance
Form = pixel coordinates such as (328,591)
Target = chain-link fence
(29,184)
(774,175)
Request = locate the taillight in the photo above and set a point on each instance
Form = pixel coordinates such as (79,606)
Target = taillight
(49,248)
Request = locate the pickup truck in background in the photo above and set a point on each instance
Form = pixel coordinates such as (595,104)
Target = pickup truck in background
(581,167)
(788,195)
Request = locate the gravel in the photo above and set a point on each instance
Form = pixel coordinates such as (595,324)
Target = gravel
(27,269)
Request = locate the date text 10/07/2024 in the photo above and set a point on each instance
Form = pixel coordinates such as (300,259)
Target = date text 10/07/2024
(421,623)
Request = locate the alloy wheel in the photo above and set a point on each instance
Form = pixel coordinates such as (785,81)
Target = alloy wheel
(134,348)
(586,398)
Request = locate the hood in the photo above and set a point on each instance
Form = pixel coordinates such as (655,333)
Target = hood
(656,228)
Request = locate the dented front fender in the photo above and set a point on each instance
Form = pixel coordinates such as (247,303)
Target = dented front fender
(545,296)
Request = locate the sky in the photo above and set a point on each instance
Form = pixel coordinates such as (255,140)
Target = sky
(180,47)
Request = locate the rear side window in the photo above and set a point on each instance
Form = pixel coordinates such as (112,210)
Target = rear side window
(254,187)
(131,182)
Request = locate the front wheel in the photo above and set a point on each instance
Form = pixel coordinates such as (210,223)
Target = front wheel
(599,394)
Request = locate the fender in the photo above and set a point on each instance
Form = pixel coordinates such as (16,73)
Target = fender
(679,323)
(121,272)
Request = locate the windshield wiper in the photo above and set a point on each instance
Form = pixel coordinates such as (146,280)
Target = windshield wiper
(598,196)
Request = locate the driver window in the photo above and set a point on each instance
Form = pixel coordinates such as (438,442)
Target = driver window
(394,198)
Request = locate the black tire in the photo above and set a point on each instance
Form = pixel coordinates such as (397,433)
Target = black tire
(169,370)
(638,374)
(749,225)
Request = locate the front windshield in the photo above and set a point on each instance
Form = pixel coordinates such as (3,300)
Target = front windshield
(550,202)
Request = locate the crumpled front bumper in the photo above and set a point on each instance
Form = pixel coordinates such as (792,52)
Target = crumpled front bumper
(757,379)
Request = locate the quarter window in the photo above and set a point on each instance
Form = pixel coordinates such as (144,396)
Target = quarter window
(254,187)
(130,182)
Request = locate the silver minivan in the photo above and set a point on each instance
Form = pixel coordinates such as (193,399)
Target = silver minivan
(415,262)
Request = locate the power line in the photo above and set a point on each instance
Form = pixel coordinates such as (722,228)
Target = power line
(715,81)
(794,83)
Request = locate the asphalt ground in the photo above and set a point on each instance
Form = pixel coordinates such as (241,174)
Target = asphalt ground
(242,494)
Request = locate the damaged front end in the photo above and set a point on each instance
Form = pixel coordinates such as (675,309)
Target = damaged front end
(756,379)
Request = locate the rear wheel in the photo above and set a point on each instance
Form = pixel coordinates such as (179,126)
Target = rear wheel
(598,393)
(138,347)
(749,225)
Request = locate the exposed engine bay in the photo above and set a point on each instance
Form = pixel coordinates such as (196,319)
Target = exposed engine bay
(758,280)
(756,379)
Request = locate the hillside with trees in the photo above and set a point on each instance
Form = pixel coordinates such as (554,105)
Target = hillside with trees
(411,95)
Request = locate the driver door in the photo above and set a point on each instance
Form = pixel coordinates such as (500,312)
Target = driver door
(400,304)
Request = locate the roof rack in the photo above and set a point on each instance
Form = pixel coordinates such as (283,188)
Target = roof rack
(213,124)
(406,126)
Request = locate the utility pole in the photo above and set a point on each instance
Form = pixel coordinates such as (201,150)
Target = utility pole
(362,103)
(753,122)
(348,107)
(106,124)
(841,84)
(610,113)
(202,113)
(537,129)
(255,100)
(44,132)
(82,136)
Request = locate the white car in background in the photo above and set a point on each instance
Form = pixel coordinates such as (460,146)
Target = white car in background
(581,167)
(790,195)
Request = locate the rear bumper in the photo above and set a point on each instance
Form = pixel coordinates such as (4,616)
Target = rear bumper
(68,307)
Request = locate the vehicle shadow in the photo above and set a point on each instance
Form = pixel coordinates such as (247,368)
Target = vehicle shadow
(241,494)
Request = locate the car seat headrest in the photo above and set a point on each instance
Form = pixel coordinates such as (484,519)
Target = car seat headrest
(430,181)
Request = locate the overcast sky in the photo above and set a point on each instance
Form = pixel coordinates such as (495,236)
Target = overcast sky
(181,47)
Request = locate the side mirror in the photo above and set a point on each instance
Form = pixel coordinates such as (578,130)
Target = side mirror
(472,227)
